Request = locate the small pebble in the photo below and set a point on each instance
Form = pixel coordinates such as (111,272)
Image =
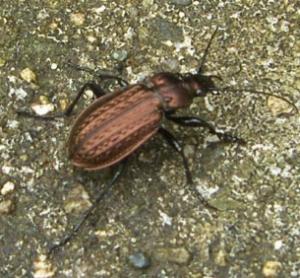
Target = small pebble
(91,38)
(20,93)
(53,66)
(221,258)
(6,207)
(120,55)
(278,244)
(99,10)
(278,106)
(53,25)
(165,219)
(77,18)
(63,103)
(139,260)
(7,188)
(271,269)
(43,268)
(28,75)
(77,200)
(42,109)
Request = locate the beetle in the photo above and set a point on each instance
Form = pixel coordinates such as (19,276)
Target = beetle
(118,123)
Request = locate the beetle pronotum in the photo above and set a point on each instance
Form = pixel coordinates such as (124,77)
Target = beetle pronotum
(117,123)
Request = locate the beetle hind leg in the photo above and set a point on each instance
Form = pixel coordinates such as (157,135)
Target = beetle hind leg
(101,195)
(172,141)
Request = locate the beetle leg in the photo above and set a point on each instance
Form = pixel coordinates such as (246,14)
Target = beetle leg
(104,193)
(102,75)
(41,117)
(95,88)
(172,141)
(122,82)
(197,122)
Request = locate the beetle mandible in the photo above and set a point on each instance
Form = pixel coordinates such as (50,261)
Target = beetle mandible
(118,123)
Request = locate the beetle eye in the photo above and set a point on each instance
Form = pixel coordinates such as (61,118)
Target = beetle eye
(167,99)
(198,92)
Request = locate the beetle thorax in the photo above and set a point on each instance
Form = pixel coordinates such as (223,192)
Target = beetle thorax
(173,91)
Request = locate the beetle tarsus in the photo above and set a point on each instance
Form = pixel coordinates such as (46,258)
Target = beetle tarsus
(204,201)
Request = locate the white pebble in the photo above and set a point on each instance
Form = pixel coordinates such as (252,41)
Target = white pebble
(7,187)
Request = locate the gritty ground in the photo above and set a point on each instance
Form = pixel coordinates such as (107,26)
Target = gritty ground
(152,225)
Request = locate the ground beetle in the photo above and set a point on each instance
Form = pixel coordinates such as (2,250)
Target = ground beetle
(117,123)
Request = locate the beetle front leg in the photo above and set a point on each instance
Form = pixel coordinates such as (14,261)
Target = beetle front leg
(95,88)
(198,122)
(104,193)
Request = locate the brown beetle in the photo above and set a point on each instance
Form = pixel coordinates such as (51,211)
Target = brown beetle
(118,123)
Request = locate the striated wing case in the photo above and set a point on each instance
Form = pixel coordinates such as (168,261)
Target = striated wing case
(114,126)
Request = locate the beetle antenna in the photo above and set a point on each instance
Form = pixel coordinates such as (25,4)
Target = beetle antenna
(200,69)
(234,90)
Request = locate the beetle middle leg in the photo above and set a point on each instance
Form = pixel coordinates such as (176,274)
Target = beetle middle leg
(172,141)
(198,122)
(104,193)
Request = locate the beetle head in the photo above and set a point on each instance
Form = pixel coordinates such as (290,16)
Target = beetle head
(199,85)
